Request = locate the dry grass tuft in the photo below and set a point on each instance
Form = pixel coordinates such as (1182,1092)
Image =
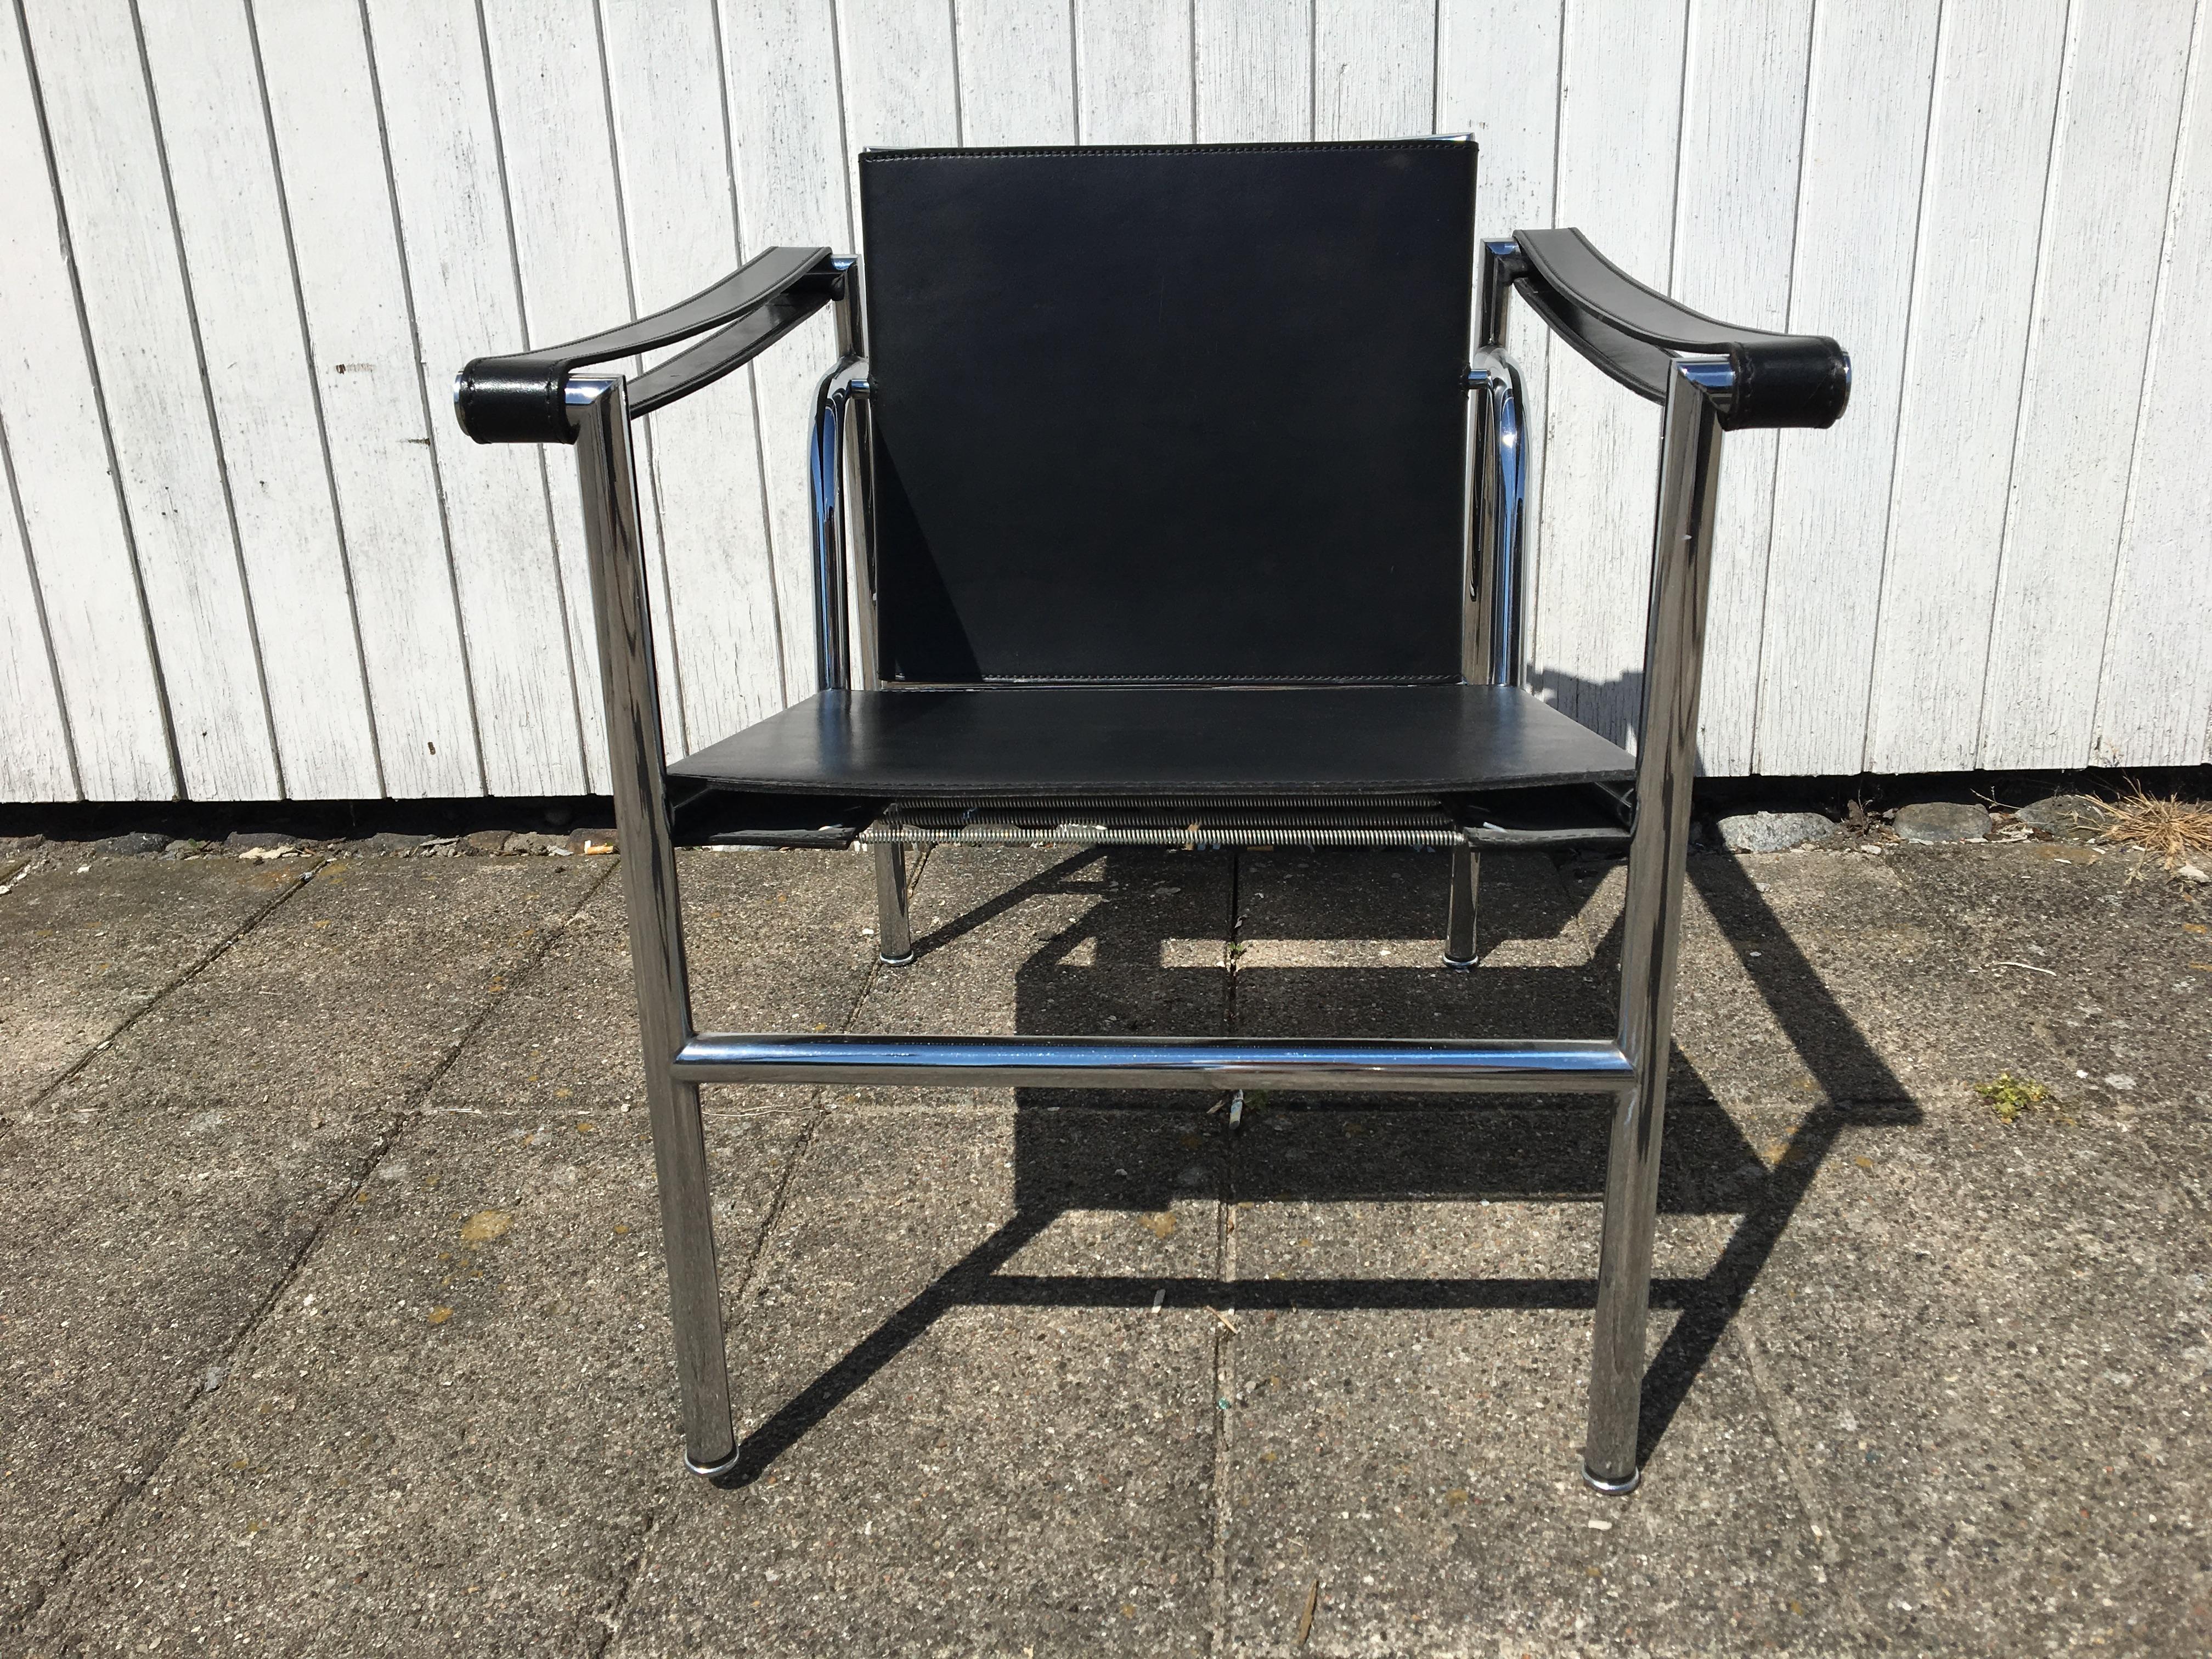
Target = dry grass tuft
(2177,830)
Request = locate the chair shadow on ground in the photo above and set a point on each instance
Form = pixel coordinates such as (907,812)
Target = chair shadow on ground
(1070,1156)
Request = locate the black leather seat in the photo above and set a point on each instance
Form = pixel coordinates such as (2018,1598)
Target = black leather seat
(1160,740)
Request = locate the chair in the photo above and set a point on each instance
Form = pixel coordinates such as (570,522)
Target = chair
(1190,487)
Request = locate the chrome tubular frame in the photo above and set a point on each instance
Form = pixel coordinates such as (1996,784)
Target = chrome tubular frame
(1490,642)
(1634,1068)
(844,571)
(619,600)
(1674,663)
(1491,1066)
(825,478)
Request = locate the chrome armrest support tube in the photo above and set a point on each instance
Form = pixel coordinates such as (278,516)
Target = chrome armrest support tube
(1674,662)
(616,548)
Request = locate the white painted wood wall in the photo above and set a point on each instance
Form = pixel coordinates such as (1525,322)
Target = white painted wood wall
(245,553)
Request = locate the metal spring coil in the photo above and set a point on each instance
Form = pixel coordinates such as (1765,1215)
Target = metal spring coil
(1389,821)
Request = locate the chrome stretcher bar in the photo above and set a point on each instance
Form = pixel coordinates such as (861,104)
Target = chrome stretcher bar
(1490,1066)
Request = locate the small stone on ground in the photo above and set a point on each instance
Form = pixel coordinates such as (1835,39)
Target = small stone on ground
(2059,815)
(1942,821)
(1773,832)
(138,844)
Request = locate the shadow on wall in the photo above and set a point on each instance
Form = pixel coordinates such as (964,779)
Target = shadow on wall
(1609,707)
(1332,1149)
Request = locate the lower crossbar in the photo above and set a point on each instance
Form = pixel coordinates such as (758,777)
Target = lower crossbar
(1391,1066)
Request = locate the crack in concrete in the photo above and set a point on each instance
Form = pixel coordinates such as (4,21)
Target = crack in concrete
(138,1479)
(199,965)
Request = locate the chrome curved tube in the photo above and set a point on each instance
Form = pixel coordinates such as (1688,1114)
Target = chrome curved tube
(1496,618)
(825,470)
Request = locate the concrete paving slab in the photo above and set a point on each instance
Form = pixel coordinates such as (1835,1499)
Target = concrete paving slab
(1985,1348)
(1404,1453)
(356,992)
(950,1446)
(161,1194)
(1348,942)
(1814,974)
(451,1431)
(1057,941)
(967,1428)
(2108,958)
(80,954)
(775,944)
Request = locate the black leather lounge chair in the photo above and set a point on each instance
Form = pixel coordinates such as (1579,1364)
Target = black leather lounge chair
(1190,485)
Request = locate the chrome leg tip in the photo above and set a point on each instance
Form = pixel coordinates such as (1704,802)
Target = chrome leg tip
(895,961)
(1605,1488)
(712,1471)
(1457,964)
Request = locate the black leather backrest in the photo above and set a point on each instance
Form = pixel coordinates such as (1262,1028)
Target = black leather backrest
(1170,413)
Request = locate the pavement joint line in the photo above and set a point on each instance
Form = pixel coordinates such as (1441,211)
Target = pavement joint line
(199,965)
(1741,1332)
(749,1279)
(136,1482)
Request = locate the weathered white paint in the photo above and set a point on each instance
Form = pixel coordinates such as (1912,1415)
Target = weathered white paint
(146,354)
(1858,205)
(447,178)
(1621,92)
(679,205)
(243,550)
(354,289)
(1254,66)
(2104,228)
(231,227)
(75,547)
(2158,675)
(1735,215)
(1981,216)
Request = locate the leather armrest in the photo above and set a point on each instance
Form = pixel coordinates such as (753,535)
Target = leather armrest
(523,398)
(1632,332)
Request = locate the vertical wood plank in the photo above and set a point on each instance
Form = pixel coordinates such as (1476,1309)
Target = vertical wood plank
(434,89)
(107,154)
(1619,118)
(1017,72)
(1374,69)
(1866,128)
(1132,72)
(35,755)
(1981,213)
(900,85)
(788,125)
(71,519)
(231,222)
(1254,70)
(2154,707)
(352,286)
(549,92)
(1736,216)
(2111,167)
(664,76)
(1498,79)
